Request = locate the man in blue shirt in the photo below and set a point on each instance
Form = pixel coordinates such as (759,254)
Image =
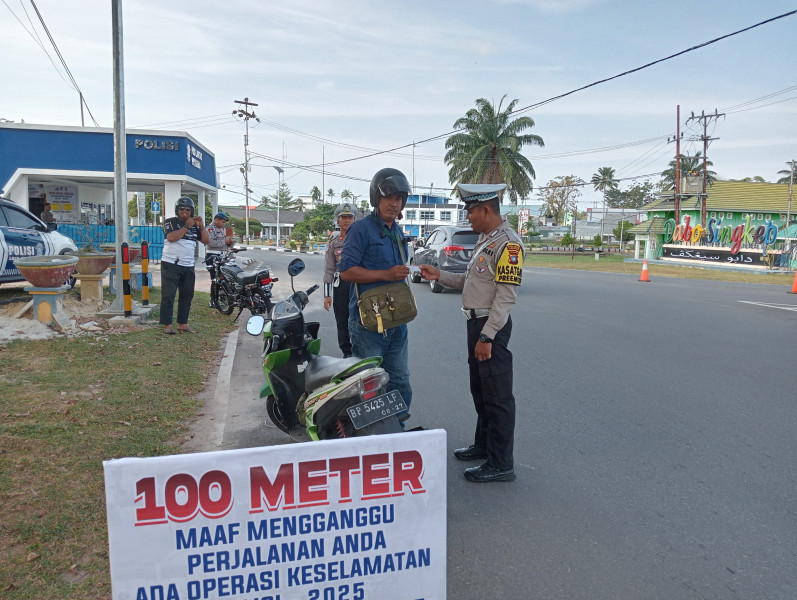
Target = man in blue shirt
(374,254)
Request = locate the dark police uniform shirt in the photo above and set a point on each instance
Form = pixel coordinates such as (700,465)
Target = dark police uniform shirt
(493,276)
(371,245)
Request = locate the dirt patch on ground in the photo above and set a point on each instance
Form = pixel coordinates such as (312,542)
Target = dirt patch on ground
(80,319)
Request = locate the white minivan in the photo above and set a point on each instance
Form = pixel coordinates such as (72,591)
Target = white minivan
(23,234)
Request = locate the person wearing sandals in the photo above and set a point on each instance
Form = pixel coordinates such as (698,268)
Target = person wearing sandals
(183,233)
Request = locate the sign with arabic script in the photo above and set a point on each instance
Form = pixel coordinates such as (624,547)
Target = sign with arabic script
(746,257)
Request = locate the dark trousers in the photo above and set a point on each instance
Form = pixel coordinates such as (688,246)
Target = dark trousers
(340,306)
(176,279)
(491,388)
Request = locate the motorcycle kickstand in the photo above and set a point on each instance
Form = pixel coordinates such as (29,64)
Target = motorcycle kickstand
(240,310)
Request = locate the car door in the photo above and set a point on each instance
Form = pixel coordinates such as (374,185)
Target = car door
(425,255)
(20,235)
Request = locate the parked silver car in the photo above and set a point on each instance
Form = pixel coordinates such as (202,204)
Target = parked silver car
(448,248)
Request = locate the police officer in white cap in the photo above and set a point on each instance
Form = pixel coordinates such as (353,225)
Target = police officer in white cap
(336,290)
(489,291)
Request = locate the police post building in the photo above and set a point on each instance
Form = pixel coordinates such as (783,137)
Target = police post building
(72,168)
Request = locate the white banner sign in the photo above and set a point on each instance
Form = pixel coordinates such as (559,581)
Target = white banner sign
(354,519)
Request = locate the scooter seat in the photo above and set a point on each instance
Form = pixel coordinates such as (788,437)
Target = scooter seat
(321,370)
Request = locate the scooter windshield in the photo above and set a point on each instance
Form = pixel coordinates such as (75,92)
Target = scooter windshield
(285,310)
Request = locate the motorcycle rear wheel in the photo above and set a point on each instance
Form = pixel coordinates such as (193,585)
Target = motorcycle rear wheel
(224,304)
(275,414)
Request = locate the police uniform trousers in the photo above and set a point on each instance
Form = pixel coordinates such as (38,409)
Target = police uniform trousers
(491,388)
(340,306)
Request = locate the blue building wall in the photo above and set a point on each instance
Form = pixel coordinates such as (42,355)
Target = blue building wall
(81,149)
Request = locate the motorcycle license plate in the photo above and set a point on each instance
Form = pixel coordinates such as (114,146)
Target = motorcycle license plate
(373,410)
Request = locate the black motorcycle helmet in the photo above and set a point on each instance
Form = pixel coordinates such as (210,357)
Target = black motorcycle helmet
(184,202)
(387,182)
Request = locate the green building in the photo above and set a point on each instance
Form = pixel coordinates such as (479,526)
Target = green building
(745,224)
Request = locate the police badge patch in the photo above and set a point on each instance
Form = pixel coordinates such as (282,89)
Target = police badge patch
(510,265)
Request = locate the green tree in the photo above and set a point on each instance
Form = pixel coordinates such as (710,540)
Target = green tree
(604,180)
(346,195)
(689,164)
(331,194)
(635,196)
(316,195)
(318,222)
(132,208)
(621,231)
(488,148)
(239,227)
(286,200)
(567,239)
(561,196)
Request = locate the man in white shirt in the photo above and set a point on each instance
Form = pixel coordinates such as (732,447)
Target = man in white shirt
(183,233)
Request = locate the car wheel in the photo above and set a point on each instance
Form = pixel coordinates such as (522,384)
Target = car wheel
(415,277)
(436,287)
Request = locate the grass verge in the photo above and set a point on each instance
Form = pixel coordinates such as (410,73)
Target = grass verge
(67,404)
(614,263)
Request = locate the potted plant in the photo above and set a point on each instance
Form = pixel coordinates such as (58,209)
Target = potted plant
(46,271)
(92,258)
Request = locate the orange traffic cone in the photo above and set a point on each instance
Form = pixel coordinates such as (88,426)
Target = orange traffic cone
(644,276)
(794,285)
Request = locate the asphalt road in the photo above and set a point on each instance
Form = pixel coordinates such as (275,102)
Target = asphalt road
(655,439)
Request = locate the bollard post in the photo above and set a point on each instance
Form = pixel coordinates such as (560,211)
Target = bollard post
(144,273)
(128,300)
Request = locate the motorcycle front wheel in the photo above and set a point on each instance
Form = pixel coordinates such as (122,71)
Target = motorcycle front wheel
(224,304)
(276,416)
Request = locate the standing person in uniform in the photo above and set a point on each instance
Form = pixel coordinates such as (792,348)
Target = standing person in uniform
(183,233)
(489,291)
(375,253)
(47,214)
(218,240)
(336,290)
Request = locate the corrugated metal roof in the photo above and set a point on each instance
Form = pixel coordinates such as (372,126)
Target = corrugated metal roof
(734,196)
(654,226)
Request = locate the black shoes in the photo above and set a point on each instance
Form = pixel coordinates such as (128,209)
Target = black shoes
(487,474)
(470,453)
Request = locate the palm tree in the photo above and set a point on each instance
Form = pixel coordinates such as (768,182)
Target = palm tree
(604,181)
(331,194)
(689,164)
(488,148)
(346,195)
(316,195)
(788,173)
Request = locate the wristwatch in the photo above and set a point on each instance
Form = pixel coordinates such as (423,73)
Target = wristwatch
(485,339)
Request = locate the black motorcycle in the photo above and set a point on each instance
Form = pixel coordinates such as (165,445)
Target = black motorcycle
(231,286)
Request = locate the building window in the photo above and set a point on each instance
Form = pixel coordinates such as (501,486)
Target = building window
(729,216)
(427,215)
(768,217)
(760,217)
(410,214)
(713,215)
(445,215)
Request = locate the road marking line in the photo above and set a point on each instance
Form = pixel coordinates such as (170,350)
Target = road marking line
(791,307)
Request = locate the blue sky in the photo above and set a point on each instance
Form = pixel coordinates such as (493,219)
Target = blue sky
(336,81)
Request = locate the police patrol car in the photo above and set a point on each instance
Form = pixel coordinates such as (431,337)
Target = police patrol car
(22,234)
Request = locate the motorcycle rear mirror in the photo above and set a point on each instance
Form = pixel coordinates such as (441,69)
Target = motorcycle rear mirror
(255,325)
(295,267)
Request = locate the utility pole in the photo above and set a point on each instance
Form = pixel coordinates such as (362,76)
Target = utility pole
(705,118)
(677,140)
(246,114)
(791,164)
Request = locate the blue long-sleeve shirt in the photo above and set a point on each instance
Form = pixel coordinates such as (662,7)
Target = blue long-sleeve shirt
(371,245)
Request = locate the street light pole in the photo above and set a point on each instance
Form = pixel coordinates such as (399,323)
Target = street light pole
(279,190)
